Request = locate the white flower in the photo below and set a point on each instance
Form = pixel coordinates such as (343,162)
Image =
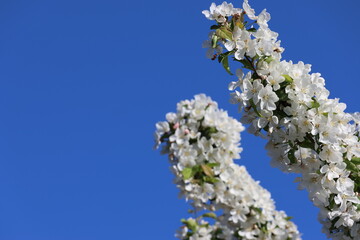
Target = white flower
(267,98)
(342,199)
(251,90)
(333,170)
(219,12)
(331,153)
(249,11)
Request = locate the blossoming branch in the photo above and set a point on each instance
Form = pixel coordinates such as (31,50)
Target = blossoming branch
(307,132)
(201,141)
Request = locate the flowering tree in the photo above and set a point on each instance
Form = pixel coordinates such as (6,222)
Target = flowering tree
(201,142)
(307,132)
(281,101)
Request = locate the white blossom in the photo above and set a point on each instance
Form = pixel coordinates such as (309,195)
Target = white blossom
(202,141)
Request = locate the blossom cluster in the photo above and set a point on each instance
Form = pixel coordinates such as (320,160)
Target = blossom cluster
(201,141)
(308,132)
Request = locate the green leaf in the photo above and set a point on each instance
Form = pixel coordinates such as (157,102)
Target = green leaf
(213,164)
(190,223)
(210,215)
(224,59)
(214,41)
(358,207)
(206,132)
(332,203)
(223,55)
(308,142)
(315,104)
(258,210)
(356,161)
(252,30)
(210,179)
(288,218)
(351,166)
(263,228)
(192,140)
(225,63)
(246,64)
(187,173)
(223,32)
(212,130)
(291,156)
(282,95)
(256,57)
(268,59)
(288,79)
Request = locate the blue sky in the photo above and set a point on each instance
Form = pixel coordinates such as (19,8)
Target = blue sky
(82,84)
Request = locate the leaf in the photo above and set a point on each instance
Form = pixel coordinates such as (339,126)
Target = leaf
(223,58)
(187,173)
(351,166)
(268,59)
(332,203)
(210,215)
(223,55)
(210,179)
(214,40)
(263,228)
(192,140)
(207,170)
(356,161)
(291,156)
(288,218)
(246,64)
(225,63)
(223,32)
(358,207)
(288,79)
(308,142)
(190,223)
(206,132)
(252,29)
(258,210)
(282,95)
(315,104)
(213,164)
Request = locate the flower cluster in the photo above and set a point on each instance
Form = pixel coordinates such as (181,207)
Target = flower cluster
(202,141)
(307,132)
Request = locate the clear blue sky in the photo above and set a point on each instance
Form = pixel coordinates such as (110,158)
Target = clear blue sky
(82,84)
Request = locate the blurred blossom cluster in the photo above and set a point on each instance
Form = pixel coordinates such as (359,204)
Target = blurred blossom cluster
(202,141)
